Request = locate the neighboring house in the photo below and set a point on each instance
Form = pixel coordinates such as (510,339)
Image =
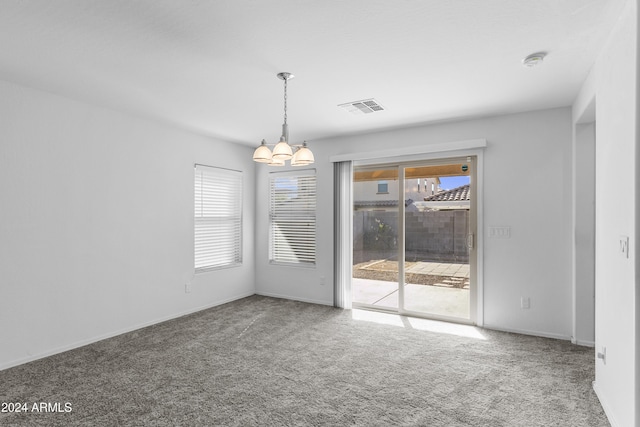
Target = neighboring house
(453,199)
(378,194)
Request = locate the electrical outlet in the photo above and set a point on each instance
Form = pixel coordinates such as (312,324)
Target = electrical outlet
(602,355)
(525,303)
(322,280)
(187,288)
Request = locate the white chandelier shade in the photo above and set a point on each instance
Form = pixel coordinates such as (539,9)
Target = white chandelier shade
(302,157)
(262,153)
(282,150)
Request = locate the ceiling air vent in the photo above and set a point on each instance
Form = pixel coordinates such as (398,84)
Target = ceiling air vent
(365,106)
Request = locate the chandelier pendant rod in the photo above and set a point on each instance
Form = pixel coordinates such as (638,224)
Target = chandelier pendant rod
(285,128)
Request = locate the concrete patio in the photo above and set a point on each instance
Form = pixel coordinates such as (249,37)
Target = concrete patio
(448,298)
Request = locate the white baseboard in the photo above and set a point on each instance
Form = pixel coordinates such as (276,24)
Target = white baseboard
(605,405)
(311,301)
(92,340)
(584,343)
(527,332)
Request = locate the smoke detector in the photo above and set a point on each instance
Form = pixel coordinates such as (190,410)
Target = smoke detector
(365,106)
(534,59)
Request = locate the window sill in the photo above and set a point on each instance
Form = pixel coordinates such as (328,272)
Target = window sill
(293,264)
(218,267)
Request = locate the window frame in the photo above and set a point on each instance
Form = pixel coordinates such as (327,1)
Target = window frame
(294,212)
(224,223)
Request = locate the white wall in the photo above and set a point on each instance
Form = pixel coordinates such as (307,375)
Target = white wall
(527,186)
(310,284)
(584,214)
(96,223)
(614,85)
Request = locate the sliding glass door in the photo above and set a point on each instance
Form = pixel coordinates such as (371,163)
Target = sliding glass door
(413,238)
(375,237)
(438,239)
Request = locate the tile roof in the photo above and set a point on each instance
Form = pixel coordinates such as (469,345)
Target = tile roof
(458,194)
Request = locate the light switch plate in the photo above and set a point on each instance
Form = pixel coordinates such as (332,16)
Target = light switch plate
(624,246)
(500,232)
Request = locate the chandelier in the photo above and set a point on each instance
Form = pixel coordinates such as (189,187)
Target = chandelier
(300,155)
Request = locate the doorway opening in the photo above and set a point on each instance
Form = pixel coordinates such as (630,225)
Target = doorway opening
(414,227)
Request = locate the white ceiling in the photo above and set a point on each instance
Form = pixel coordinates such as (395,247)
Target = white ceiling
(210,65)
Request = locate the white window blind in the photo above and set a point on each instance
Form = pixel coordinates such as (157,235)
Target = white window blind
(292,206)
(218,217)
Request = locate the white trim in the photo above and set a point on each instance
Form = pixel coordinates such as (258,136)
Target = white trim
(574,260)
(605,406)
(401,238)
(306,265)
(295,298)
(581,109)
(411,151)
(201,270)
(583,343)
(479,243)
(527,332)
(88,341)
(295,172)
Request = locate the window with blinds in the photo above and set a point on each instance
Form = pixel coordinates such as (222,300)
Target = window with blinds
(218,218)
(292,211)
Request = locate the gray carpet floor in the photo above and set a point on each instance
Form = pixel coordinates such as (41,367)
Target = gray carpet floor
(269,362)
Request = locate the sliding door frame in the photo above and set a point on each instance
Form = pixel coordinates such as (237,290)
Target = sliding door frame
(476,304)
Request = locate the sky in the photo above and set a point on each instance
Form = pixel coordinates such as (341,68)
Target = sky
(449,182)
